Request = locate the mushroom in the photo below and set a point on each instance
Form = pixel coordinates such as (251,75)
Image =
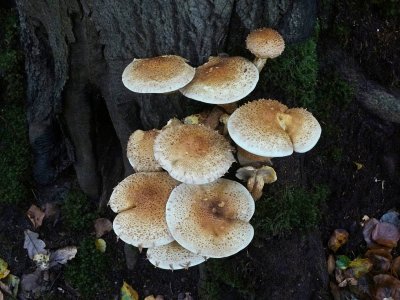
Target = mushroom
(211,220)
(222,80)
(140,151)
(246,158)
(173,257)
(264,43)
(256,178)
(140,202)
(161,74)
(193,154)
(268,128)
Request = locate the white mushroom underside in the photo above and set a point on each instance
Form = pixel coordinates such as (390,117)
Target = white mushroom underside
(173,257)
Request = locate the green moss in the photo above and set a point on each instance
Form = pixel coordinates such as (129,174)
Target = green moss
(78,212)
(88,271)
(15,158)
(287,209)
(293,75)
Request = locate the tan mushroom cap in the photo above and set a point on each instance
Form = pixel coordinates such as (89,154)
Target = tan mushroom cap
(140,200)
(193,154)
(222,80)
(140,151)
(257,128)
(268,128)
(213,219)
(159,74)
(265,43)
(303,129)
(173,257)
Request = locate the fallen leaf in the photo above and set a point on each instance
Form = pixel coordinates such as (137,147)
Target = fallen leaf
(128,293)
(338,239)
(12,282)
(102,226)
(369,226)
(388,287)
(1,296)
(331,264)
(380,263)
(4,271)
(31,283)
(35,215)
(342,262)
(51,209)
(392,217)
(359,166)
(360,266)
(386,234)
(396,267)
(5,288)
(101,245)
(61,256)
(33,244)
(151,297)
(42,261)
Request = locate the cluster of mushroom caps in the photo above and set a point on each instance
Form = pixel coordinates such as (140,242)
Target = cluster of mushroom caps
(176,203)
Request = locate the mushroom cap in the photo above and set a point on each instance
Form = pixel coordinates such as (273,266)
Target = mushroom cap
(213,219)
(159,74)
(303,129)
(173,257)
(258,127)
(222,80)
(140,201)
(193,154)
(140,151)
(265,43)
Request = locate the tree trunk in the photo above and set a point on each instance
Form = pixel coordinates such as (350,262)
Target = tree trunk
(80,113)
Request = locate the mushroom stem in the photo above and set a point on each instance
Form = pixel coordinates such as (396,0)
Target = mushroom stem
(259,63)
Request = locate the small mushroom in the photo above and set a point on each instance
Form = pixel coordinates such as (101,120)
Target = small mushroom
(193,154)
(173,257)
(246,158)
(256,179)
(140,202)
(140,151)
(161,74)
(222,80)
(211,220)
(264,43)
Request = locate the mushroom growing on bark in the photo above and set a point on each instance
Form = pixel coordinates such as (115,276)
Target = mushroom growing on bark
(140,151)
(256,178)
(193,154)
(140,202)
(211,220)
(173,257)
(222,80)
(264,43)
(161,74)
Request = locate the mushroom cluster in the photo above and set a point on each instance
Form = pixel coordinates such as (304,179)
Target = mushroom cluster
(176,204)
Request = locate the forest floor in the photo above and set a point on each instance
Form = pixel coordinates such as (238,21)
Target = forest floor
(353,171)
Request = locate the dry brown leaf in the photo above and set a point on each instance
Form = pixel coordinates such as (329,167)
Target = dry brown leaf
(35,215)
(102,226)
(369,226)
(331,264)
(386,234)
(396,267)
(338,239)
(51,209)
(387,287)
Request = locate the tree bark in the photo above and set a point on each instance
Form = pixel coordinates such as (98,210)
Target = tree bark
(80,113)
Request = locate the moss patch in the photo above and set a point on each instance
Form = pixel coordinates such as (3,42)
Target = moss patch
(88,271)
(15,159)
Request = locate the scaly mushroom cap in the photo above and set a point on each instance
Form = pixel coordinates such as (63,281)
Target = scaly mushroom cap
(258,127)
(173,257)
(159,74)
(303,129)
(265,43)
(193,154)
(140,151)
(213,219)
(222,80)
(140,201)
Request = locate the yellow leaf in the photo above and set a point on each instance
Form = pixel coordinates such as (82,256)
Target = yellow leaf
(101,245)
(359,166)
(128,293)
(4,271)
